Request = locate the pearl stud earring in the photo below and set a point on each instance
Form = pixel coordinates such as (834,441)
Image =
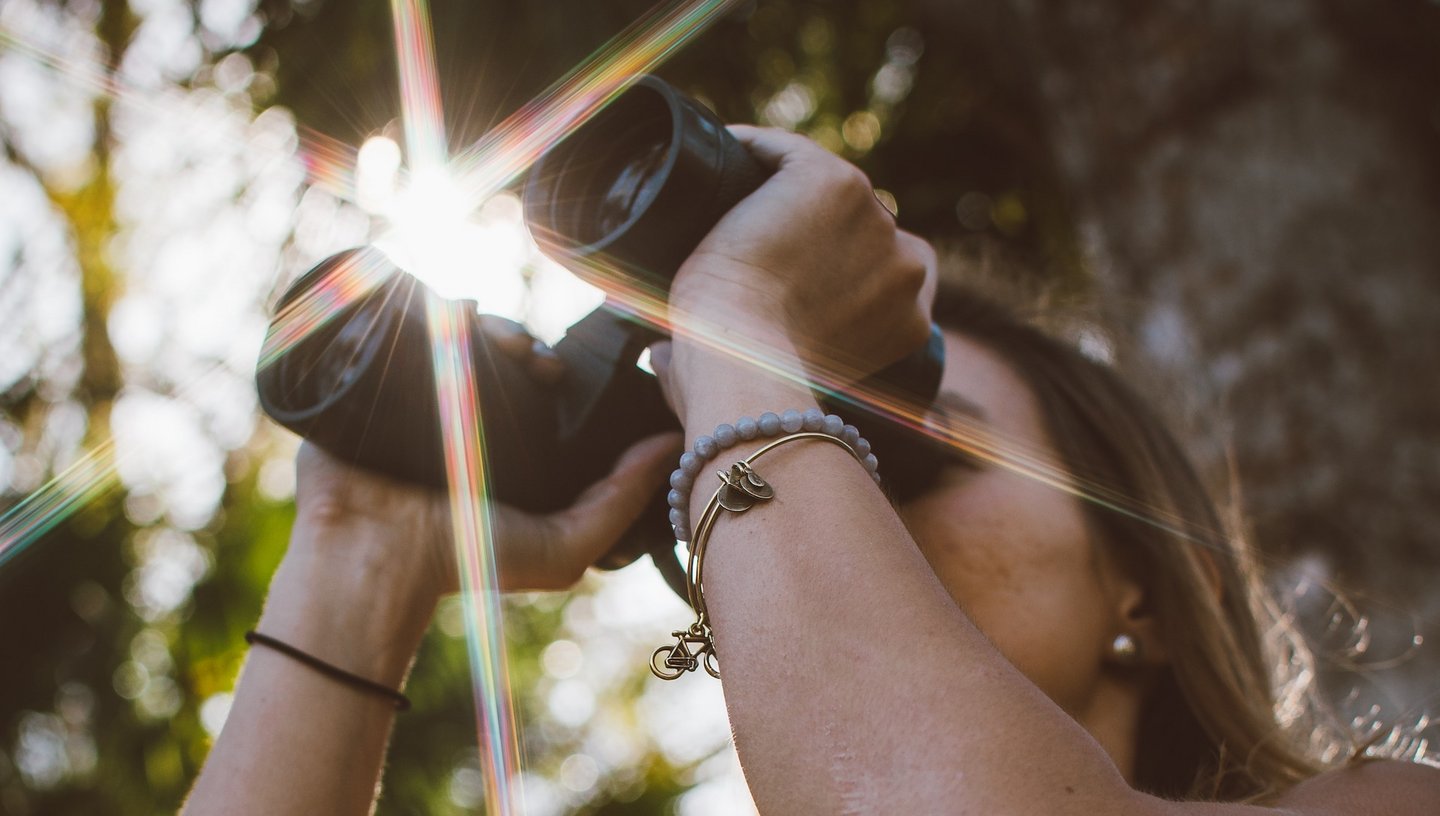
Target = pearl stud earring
(1125,649)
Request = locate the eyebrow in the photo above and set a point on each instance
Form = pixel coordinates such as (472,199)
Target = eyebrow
(951,401)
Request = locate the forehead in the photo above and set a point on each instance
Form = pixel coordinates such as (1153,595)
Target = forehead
(978,384)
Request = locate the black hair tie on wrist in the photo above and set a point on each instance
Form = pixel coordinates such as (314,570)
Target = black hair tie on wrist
(402,703)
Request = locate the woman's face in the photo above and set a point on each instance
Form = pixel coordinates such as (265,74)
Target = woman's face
(1016,554)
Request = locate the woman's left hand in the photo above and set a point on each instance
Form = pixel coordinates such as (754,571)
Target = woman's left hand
(814,258)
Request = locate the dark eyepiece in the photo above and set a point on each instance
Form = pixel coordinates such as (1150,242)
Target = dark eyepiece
(614,172)
(642,182)
(316,371)
(632,190)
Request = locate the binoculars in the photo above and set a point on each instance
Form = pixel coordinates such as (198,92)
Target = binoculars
(639,185)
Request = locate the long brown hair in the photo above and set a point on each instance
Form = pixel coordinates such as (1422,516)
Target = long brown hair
(1234,715)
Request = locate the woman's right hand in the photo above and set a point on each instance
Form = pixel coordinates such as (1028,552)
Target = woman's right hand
(408,528)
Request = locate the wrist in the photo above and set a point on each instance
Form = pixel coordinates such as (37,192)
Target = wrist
(725,398)
(714,386)
(347,601)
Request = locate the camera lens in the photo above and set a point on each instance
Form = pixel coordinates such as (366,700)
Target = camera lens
(324,365)
(632,190)
(609,173)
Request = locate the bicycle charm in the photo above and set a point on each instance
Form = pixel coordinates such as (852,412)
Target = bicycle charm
(669,662)
(740,489)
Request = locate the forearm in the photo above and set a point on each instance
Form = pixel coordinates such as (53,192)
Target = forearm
(853,680)
(297,741)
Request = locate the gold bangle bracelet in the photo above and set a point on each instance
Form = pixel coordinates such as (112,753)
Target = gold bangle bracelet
(741,488)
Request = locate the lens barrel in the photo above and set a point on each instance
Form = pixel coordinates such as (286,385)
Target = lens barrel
(641,183)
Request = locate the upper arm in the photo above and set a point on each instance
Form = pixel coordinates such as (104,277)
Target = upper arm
(1387,787)
(1370,788)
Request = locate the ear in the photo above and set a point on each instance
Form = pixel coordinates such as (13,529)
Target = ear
(1135,616)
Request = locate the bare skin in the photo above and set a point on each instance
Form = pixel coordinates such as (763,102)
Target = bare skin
(951,658)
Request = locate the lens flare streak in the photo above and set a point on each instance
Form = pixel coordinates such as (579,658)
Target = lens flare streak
(419,86)
(461,425)
(329,163)
(462,435)
(84,481)
(348,281)
(516,143)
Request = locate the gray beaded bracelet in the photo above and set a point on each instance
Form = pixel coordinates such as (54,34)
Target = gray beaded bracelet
(769,424)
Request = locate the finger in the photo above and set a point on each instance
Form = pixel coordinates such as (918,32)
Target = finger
(601,514)
(773,146)
(506,335)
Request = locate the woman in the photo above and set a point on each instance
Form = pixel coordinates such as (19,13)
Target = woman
(996,646)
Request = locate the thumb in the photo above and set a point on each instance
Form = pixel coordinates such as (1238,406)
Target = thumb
(597,519)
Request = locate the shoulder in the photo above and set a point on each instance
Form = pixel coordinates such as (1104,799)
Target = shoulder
(1380,786)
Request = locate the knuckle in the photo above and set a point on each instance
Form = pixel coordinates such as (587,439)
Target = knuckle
(843,180)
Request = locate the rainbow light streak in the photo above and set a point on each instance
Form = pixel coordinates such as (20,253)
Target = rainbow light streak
(509,148)
(95,473)
(346,282)
(462,436)
(90,477)
(630,294)
(419,86)
(329,163)
(460,424)
(87,479)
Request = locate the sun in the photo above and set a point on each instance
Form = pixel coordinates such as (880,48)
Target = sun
(431,229)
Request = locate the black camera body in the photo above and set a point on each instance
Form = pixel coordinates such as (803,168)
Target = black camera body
(638,185)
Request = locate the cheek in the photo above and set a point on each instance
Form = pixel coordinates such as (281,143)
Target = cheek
(1017,557)
(1001,530)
